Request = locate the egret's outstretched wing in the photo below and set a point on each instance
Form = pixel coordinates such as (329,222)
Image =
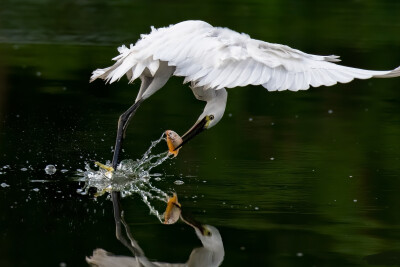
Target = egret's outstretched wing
(219,57)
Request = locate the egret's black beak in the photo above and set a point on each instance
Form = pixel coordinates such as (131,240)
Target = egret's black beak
(195,130)
(188,219)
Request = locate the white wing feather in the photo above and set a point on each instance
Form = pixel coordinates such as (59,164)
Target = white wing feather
(221,58)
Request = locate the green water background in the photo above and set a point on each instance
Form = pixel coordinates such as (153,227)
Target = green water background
(290,179)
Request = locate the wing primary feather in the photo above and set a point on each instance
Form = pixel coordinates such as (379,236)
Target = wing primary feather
(243,71)
(271,85)
(265,75)
(254,78)
(288,81)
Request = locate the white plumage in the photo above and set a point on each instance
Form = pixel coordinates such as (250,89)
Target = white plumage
(211,254)
(214,58)
(217,58)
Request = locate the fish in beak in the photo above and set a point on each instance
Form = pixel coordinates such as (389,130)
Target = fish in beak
(173,141)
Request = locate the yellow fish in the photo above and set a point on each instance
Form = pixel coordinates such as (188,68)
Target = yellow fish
(173,211)
(173,140)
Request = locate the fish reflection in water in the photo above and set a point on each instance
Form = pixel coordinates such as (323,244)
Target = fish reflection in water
(209,255)
(173,211)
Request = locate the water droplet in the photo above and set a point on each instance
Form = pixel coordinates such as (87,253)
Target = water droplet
(179,182)
(24,169)
(4,185)
(256,208)
(131,177)
(330,111)
(299,254)
(64,170)
(108,174)
(36,189)
(250,119)
(355,200)
(50,169)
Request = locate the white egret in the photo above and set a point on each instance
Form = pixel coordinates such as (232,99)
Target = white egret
(213,59)
(211,254)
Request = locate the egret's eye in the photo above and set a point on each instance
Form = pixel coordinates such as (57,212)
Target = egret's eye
(211,117)
(207,232)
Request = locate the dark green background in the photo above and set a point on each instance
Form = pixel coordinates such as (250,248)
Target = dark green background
(331,191)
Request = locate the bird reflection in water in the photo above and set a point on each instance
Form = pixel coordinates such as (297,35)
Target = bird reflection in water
(133,177)
(210,254)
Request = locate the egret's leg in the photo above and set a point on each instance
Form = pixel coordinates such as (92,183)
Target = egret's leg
(122,125)
(116,197)
(126,116)
(148,87)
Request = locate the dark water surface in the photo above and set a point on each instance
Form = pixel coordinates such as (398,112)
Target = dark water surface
(289,179)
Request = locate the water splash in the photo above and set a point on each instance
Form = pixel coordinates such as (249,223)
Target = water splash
(131,177)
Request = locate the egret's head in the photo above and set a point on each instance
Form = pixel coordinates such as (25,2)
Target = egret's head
(212,253)
(212,114)
(209,236)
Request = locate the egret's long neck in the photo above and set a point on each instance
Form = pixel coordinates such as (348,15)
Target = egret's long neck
(220,98)
(216,105)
